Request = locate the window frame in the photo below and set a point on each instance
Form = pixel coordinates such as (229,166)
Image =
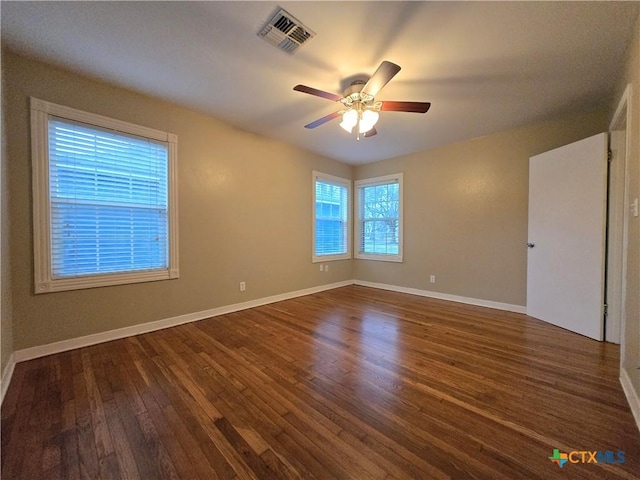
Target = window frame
(44,282)
(359,185)
(348,237)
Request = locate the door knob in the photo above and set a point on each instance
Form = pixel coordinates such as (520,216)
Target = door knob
(531,245)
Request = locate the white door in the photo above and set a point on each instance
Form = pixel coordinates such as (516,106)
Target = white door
(567,223)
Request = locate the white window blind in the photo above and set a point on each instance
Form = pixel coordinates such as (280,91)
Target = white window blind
(331,217)
(104,200)
(379,229)
(109,201)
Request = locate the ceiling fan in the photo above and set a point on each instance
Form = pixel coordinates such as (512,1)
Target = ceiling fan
(360,108)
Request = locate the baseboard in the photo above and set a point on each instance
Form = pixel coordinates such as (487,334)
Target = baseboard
(445,296)
(7,373)
(40,351)
(88,340)
(633,397)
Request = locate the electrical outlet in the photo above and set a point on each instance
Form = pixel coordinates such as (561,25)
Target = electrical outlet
(432,279)
(243,286)
(326,268)
(321,267)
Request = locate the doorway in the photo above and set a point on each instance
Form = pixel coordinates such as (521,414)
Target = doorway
(617,221)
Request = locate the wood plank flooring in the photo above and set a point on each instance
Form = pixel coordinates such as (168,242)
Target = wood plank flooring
(349,383)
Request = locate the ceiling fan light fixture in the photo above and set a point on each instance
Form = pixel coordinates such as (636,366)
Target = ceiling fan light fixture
(360,108)
(368,120)
(349,120)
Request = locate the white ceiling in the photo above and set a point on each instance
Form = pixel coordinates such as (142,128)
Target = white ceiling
(485,66)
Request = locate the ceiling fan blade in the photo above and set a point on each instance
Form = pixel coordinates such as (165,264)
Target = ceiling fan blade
(323,120)
(371,132)
(415,107)
(317,93)
(385,72)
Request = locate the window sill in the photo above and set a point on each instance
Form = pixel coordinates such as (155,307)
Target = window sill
(379,258)
(330,258)
(79,283)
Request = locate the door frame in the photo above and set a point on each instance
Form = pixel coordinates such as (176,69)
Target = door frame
(617,236)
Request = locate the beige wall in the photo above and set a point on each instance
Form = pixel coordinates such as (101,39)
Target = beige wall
(244,214)
(245,205)
(465,211)
(6,323)
(631,329)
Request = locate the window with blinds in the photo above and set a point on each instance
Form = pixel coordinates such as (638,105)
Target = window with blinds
(331,228)
(379,225)
(106,205)
(109,199)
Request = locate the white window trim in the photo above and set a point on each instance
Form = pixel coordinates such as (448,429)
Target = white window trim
(340,181)
(40,112)
(368,182)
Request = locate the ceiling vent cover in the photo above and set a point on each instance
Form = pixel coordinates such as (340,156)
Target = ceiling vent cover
(285,31)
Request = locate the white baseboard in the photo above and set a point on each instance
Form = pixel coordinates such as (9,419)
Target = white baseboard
(7,373)
(445,296)
(633,397)
(85,341)
(64,345)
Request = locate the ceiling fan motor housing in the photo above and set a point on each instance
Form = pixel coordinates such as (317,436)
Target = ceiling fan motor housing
(353,94)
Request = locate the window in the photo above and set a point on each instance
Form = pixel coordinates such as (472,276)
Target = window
(104,200)
(332,225)
(379,225)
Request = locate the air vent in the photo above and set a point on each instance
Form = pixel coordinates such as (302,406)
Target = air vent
(284,31)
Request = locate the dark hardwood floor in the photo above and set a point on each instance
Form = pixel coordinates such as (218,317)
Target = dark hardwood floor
(349,383)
